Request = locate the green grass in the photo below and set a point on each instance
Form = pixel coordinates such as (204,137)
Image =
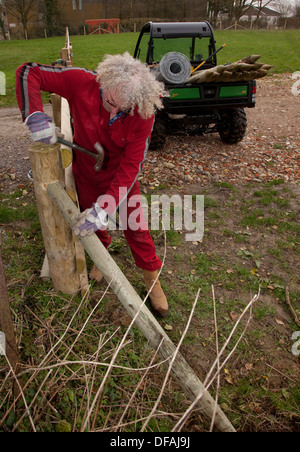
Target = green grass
(277,48)
(88,51)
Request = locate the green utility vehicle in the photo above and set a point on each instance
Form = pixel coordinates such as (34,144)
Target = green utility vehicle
(197,108)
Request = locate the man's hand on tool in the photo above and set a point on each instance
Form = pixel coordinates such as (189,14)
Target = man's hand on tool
(90,221)
(41,127)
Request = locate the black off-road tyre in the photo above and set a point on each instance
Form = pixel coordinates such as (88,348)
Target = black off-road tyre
(233,125)
(159,133)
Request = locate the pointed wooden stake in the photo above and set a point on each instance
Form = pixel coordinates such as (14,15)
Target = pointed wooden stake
(58,238)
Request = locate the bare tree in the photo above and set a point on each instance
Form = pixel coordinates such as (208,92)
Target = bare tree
(234,8)
(241,7)
(2,16)
(51,15)
(259,6)
(22,10)
(284,7)
(214,7)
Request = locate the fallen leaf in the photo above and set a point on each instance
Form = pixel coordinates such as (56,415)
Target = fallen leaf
(168,327)
(221,299)
(279,322)
(141,386)
(255,407)
(285,393)
(233,315)
(228,377)
(246,232)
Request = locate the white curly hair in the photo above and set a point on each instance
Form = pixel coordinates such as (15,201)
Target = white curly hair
(132,82)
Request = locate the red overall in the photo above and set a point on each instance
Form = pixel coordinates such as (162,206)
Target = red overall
(125,142)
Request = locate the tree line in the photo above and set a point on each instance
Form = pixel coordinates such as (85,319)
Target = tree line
(49,11)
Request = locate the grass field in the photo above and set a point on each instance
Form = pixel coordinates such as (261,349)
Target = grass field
(278,48)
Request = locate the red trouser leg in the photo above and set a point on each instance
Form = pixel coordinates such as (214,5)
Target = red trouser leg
(143,249)
(140,240)
(136,232)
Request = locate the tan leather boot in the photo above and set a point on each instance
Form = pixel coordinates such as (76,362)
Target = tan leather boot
(158,299)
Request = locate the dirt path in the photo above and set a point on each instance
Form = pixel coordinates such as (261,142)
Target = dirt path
(14,143)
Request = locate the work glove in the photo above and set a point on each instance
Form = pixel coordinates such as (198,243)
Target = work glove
(41,127)
(90,221)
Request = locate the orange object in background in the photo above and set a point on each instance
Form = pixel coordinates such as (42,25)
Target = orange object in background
(99,26)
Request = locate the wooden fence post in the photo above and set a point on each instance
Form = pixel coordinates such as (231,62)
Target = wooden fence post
(58,238)
(146,322)
(61,115)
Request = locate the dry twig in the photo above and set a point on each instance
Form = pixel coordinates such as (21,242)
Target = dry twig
(287,298)
(209,380)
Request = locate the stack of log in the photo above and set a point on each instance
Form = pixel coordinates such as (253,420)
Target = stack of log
(244,70)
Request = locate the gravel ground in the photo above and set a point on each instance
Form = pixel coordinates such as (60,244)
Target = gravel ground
(270,150)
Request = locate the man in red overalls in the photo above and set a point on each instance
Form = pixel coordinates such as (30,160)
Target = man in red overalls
(113,106)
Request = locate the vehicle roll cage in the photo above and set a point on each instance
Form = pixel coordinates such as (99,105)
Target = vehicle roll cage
(166,30)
